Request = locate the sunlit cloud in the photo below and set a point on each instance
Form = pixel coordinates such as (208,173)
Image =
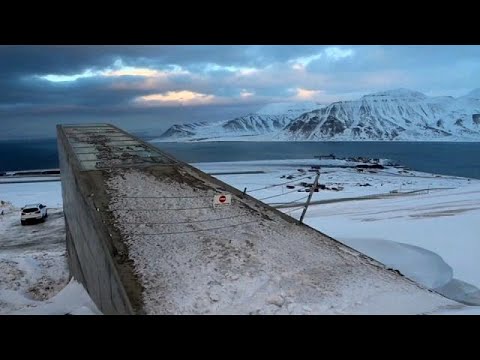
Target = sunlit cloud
(212,67)
(304,94)
(122,70)
(247,71)
(131,71)
(245,94)
(321,96)
(298,66)
(118,70)
(183,97)
(66,78)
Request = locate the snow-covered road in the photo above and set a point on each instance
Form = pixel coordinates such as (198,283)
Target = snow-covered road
(33,267)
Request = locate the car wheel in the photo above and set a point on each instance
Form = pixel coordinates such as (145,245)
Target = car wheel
(23,222)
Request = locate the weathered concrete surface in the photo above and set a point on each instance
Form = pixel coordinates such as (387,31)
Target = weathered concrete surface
(143,237)
(96,255)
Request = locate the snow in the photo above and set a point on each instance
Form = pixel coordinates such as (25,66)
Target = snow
(397,93)
(258,126)
(33,267)
(400,115)
(403,115)
(431,236)
(19,194)
(380,181)
(421,265)
(444,222)
(246,262)
(295,109)
(217,135)
(458,310)
(474,94)
(28,278)
(243,127)
(71,300)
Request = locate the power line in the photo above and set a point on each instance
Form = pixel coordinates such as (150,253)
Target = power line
(191,208)
(294,209)
(186,222)
(193,231)
(269,197)
(287,182)
(290,202)
(209,207)
(291,211)
(166,197)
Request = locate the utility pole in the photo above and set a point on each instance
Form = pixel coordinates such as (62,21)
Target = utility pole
(314,186)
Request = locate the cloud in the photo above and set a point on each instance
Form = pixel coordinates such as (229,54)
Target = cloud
(245,94)
(127,80)
(240,70)
(183,97)
(336,53)
(304,94)
(62,78)
(118,70)
(301,62)
(327,54)
(132,71)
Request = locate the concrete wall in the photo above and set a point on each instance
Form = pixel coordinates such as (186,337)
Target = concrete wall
(93,253)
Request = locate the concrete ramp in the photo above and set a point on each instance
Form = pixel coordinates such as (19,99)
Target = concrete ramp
(144,237)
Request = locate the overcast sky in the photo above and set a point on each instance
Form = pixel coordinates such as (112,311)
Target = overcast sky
(143,87)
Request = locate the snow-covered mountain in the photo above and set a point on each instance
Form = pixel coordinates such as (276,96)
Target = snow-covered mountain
(391,115)
(399,114)
(266,121)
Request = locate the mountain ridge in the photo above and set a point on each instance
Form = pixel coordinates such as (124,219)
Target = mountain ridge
(398,114)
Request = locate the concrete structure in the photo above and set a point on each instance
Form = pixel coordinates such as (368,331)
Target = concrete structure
(96,255)
(144,238)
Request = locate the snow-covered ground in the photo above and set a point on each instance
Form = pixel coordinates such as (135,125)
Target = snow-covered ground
(33,268)
(431,235)
(390,182)
(424,225)
(71,300)
(20,194)
(232,260)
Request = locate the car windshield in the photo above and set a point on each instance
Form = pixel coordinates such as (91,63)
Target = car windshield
(30,210)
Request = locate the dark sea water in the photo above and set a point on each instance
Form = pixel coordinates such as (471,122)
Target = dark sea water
(460,159)
(28,154)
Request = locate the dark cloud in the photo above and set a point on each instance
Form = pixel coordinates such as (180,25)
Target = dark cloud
(18,60)
(223,73)
(41,123)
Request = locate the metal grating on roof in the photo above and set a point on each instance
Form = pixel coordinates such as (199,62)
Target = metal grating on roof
(102,146)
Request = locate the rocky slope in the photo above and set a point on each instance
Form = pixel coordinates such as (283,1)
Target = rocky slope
(391,115)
